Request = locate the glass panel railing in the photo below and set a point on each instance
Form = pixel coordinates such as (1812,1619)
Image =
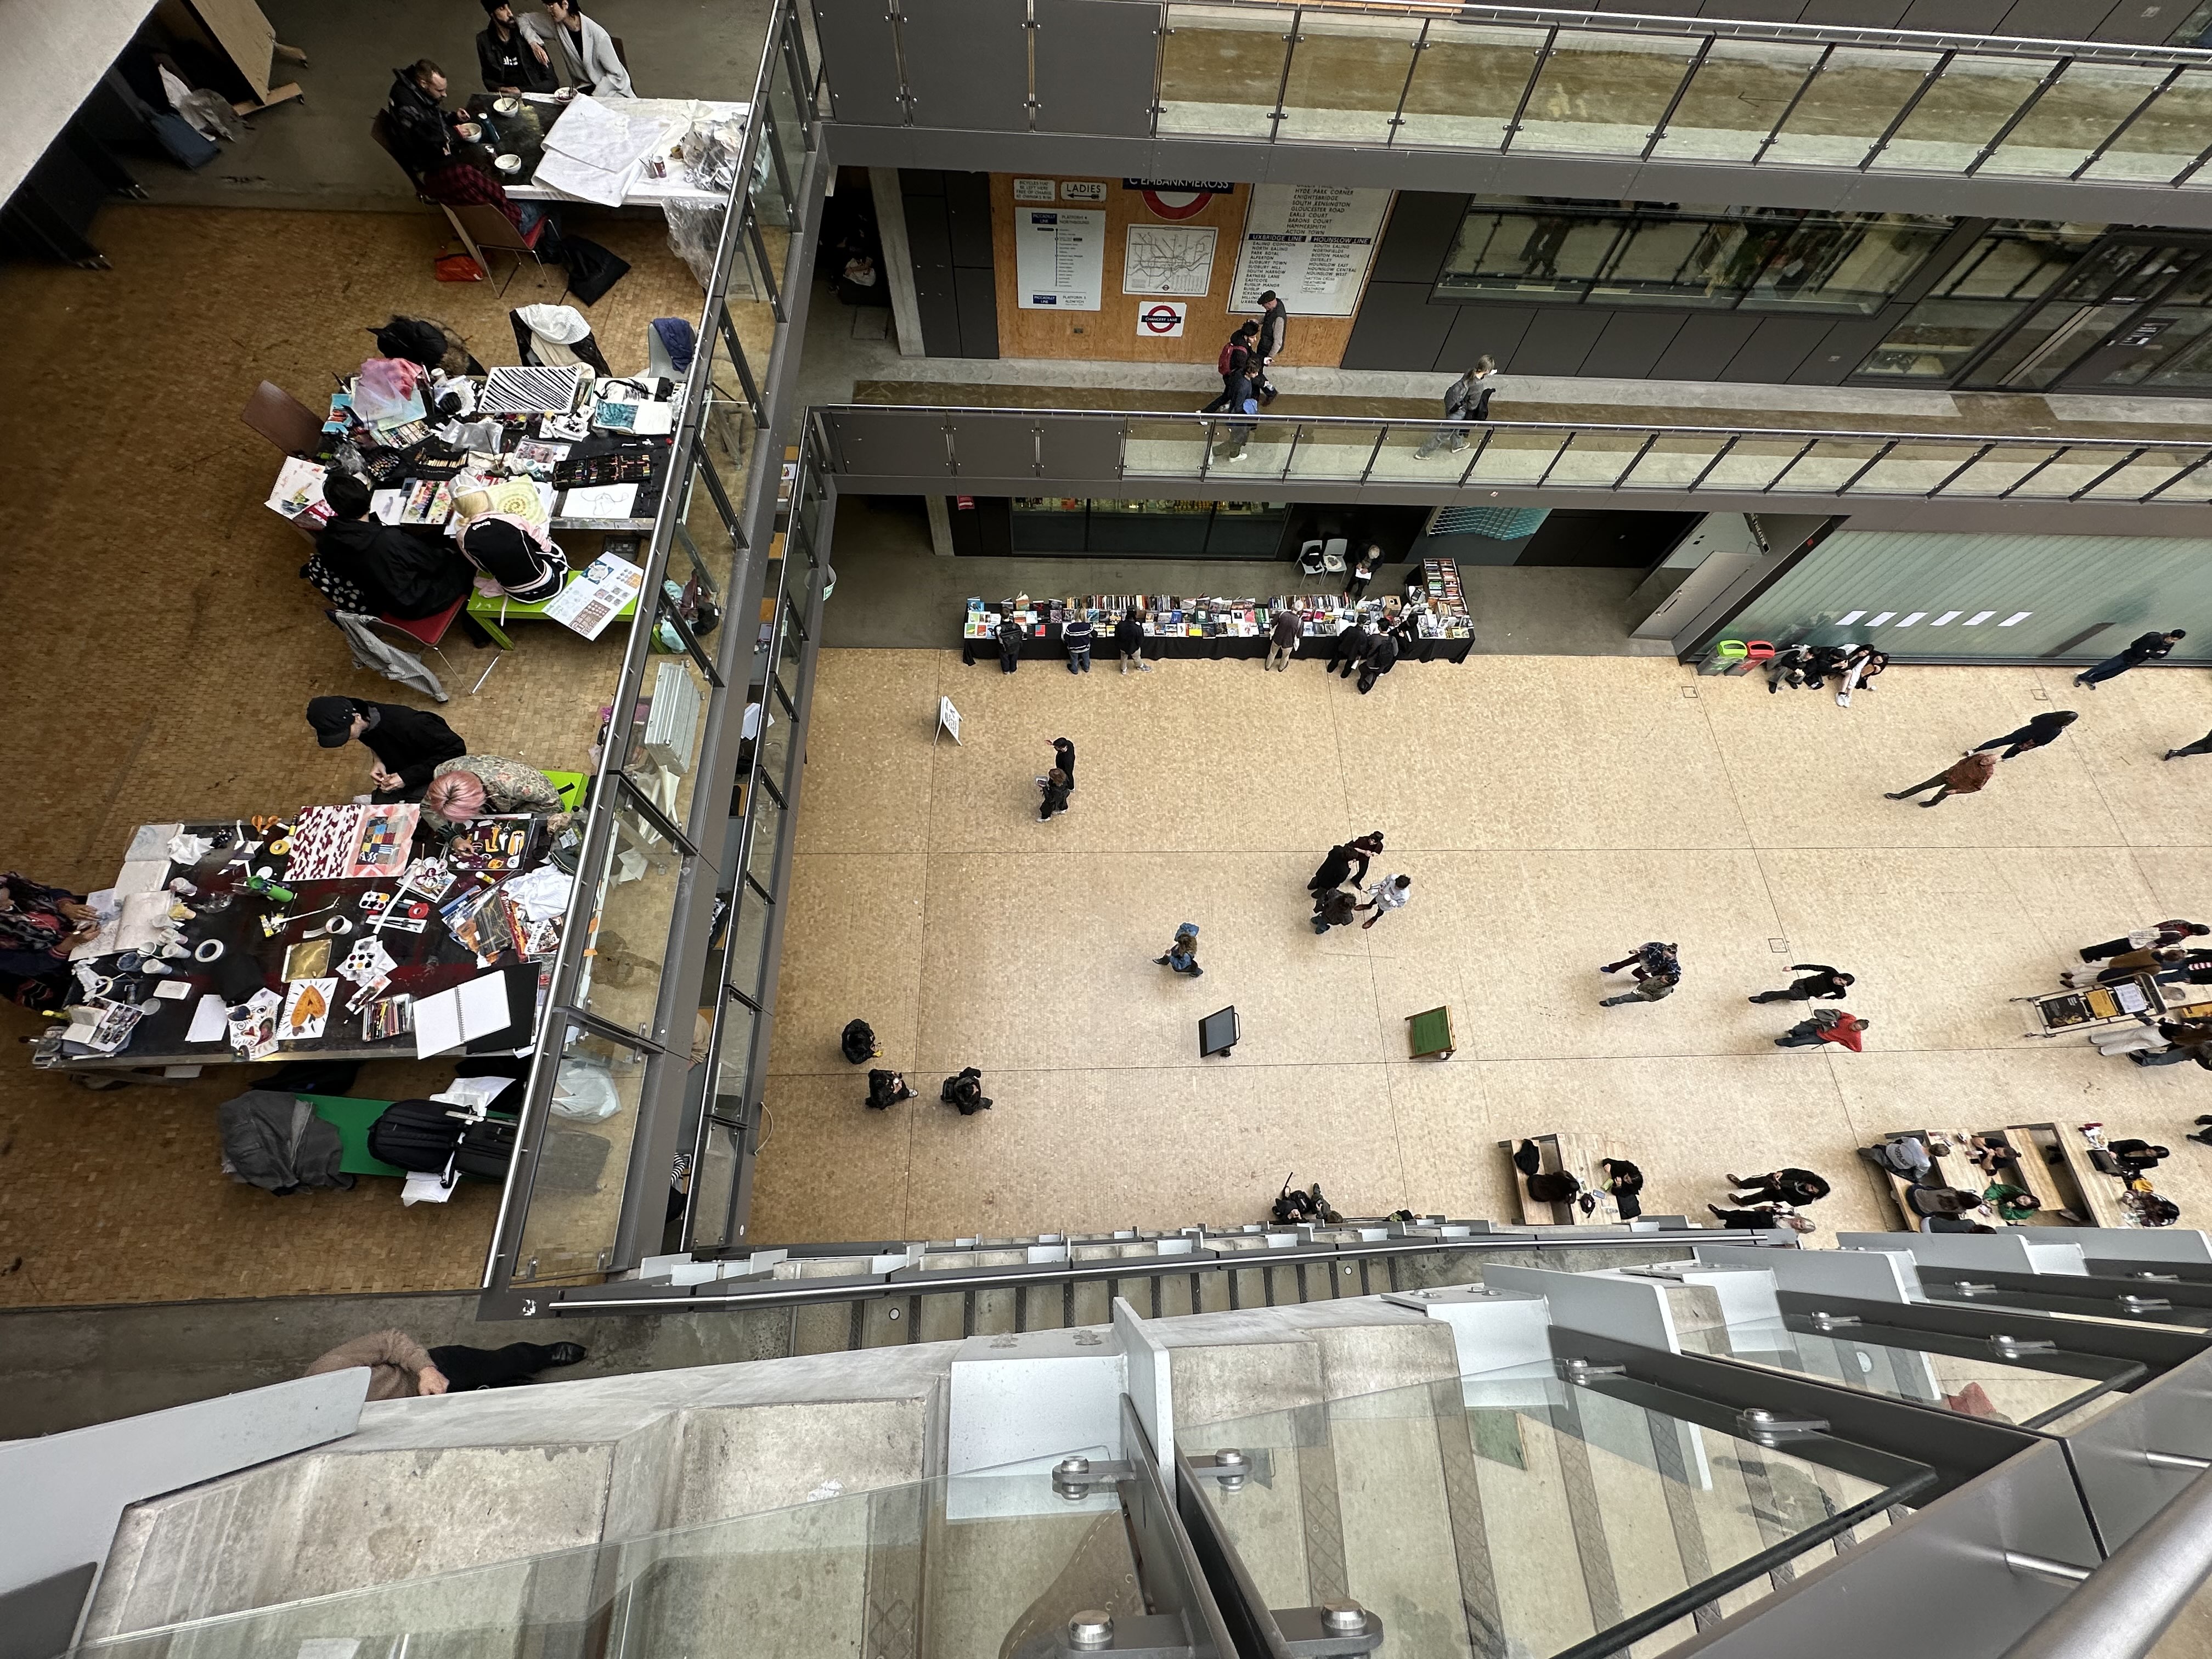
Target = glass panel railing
(1841,115)
(982,1564)
(1515,1512)
(1164,448)
(1955,118)
(1467,85)
(1346,77)
(577,1178)
(2005,1390)
(748,945)
(1734,100)
(1220,71)
(620,983)
(1333,451)
(2081,111)
(1603,94)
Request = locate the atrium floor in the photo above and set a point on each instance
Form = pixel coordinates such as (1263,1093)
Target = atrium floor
(1552,812)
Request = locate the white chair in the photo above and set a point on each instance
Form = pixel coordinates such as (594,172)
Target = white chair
(1332,555)
(1310,559)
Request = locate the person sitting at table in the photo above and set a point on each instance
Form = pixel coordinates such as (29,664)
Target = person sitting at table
(39,926)
(513,557)
(421,127)
(446,168)
(426,342)
(379,569)
(477,785)
(584,50)
(408,743)
(511,60)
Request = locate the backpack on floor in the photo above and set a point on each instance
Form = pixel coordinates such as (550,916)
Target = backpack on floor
(420,1135)
(858,1043)
(486,1149)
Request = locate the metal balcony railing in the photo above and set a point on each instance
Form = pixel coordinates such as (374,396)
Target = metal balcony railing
(877,442)
(1504,80)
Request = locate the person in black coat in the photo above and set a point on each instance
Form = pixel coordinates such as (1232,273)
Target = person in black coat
(1819,981)
(1338,867)
(2144,647)
(395,571)
(1351,645)
(1129,641)
(1783,1186)
(1063,757)
(965,1091)
(1382,657)
(511,60)
(1010,634)
(2046,727)
(1055,786)
(408,743)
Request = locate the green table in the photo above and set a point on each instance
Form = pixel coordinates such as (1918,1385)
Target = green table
(352,1119)
(1431,1034)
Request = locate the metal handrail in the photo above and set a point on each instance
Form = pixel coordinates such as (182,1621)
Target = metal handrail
(1431,423)
(1610,23)
(2122,1606)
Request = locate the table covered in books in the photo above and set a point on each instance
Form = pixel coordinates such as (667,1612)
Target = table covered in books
(1214,627)
(342,932)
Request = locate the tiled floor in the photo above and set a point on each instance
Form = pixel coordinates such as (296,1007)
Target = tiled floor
(1552,812)
(161,650)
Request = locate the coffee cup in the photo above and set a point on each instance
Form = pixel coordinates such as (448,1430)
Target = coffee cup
(507,163)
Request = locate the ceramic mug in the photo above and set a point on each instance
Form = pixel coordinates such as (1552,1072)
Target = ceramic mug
(507,163)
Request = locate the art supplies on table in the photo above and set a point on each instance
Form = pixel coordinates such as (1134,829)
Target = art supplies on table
(366,962)
(108,1030)
(307,961)
(537,458)
(498,844)
(253,1025)
(298,491)
(393,1017)
(331,843)
(596,595)
(617,501)
(428,501)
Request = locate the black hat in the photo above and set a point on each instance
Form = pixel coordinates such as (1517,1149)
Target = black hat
(491,6)
(332,718)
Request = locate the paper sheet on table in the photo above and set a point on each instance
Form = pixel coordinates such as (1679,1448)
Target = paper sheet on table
(448,1019)
(137,924)
(210,1019)
(595,153)
(151,842)
(142,875)
(616,500)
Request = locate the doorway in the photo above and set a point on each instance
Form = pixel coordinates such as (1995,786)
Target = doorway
(2133,312)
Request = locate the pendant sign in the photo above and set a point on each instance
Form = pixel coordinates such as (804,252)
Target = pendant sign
(1162,319)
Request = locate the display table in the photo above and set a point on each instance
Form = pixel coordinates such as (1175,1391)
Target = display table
(230,955)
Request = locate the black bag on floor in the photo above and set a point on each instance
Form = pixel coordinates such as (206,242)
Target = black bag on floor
(487,1149)
(857,1043)
(415,1134)
(592,269)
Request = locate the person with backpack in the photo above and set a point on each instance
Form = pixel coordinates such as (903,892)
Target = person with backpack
(1232,448)
(886,1089)
(1624,1180)
(1010,635)
(965,1091)
(1234,364)
(1468,398)
(857,1043)
(1274,331)
(1334,909)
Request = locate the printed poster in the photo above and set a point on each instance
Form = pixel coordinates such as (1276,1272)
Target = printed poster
(1059,258)
(1311,244)
(1168,260)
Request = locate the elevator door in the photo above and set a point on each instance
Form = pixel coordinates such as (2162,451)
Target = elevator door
(2098,311)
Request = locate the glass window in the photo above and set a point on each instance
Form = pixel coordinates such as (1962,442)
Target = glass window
(1219,72)
(1719,257)
(1978,297)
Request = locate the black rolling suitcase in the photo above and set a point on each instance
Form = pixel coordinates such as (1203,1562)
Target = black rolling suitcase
(434,1137)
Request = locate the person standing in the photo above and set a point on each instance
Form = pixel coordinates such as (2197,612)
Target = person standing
(1650,957)
(965,1090)
(1076,634)
(1055,786)
(1390,893)
(2144,647)
(1063,757)
(400,1368)
(1648,988)
(1129,641)
(1283,634)
(1828,1026)
(1788,1185)
(1183,951)
(886,1089)
(1010,634)
(1962,777)
(1338,867)
(510,60)
(2046,727)
(1382,656)
(1819,981)
(1468,398)
(1235,365)
(408,743)
(1232,446)
(1334,908)
(1274,332)
(2159,936)
(1363,572)
(1350,646)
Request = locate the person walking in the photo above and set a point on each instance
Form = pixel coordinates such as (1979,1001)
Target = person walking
(1338,867)
(1076,634)
(1234,364)
(1334,908)
(1390,893)
(1763,1217)
(1788,1185)
(2159,936)
(1363,572)
(2046,727)
(400,1368)
(1468,398)
(1232,446)
(965,1090)
(1183,951)
(1828,1026)
(1063,757)
(2124,966)
(1350,645)
(1129,641)
(1283,634)
(2188,1040)
(1966,776)
(2201,746)
(1820,980)
(1274,331)
(1010,634)
(1055,786)
(2144,647)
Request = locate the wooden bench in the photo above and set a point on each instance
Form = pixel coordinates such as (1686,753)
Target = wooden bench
(2026,1160)
(1577,1156)
(1938,1174)
(2101,1193)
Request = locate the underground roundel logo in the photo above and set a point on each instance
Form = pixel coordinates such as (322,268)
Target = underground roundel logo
(1177,203)
(1163,319)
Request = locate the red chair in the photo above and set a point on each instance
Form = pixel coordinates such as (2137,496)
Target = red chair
(428,630)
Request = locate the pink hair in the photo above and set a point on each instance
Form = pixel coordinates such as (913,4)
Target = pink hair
(458,796)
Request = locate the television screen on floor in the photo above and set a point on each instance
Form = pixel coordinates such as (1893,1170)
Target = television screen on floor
(1216,1033)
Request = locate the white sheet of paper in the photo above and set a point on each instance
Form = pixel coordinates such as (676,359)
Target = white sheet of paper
(425,1189)
(209,1020)
(142,875)
(437,1023)
(600,501)
(463,1014)
(483,1007)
